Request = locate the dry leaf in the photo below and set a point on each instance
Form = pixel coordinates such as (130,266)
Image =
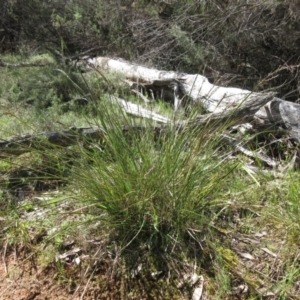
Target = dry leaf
(269,252)
(156,274)
(135,272)
(69,253)
(247,256)
(263,233)
(77,261)
(241,289)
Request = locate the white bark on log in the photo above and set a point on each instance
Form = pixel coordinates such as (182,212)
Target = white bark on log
(213,98)
(277,113)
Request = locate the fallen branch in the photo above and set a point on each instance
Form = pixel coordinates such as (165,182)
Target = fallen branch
(235,116)
(239,147)
(138,111)
(21,65)
(17,145)
(24,143)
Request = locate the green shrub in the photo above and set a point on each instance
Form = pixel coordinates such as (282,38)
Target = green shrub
(251,44)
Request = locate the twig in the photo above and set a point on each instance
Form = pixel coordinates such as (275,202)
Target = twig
(81,297)
(85,288)
(3,257)
(21,65)
(145,99)
(237,144)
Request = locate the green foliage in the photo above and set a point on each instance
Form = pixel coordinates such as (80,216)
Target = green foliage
(190,36)
(42,87)
(191,52)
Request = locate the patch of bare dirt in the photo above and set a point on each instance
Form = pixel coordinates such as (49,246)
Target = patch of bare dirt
(21,280)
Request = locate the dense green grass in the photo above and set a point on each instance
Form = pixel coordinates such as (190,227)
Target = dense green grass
(153,184)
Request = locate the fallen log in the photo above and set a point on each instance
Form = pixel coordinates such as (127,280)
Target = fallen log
(224,107)
(24,143)
(214,99)
(17,145)
(285,115)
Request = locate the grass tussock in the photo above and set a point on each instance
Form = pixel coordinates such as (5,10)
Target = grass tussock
(153,184)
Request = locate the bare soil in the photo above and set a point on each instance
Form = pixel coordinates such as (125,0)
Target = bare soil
(21,280)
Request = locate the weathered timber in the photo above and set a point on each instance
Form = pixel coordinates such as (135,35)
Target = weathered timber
(214,99)
(281,114)
(138,111)
(21,65)
(234,116)
(17,145)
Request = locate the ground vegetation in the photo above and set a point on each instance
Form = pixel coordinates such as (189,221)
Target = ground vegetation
(141,215)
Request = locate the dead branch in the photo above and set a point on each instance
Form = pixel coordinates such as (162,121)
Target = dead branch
(21,65)
(214,99)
